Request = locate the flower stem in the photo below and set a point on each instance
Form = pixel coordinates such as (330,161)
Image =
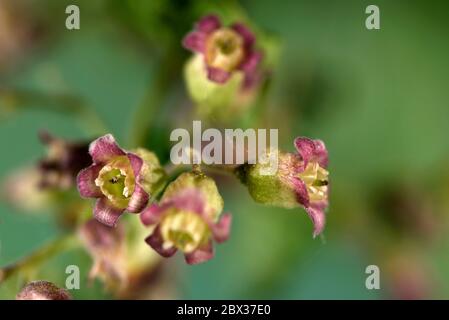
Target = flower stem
(39,256)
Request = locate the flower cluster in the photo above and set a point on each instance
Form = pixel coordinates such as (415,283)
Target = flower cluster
(184,212)
(186,218)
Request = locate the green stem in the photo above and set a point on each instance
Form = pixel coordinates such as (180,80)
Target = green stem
(39,256)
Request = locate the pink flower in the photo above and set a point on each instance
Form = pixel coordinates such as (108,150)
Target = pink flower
(301,180)
(310,180)
(186,221)
(225,49)
(114,179)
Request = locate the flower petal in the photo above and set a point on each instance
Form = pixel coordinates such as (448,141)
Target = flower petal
(155,241)
(321,153)
(247,35)
(104,148)
(189,200)
(201,254)
(249,65)
(310,149)
(221,230)
(318,217)
(106,213)
(152,214)
(136,163)
(195,41)
(139,199)
(301,192)
(86,182)
(217,75)
(208,24)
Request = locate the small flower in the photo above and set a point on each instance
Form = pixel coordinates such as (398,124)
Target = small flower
(114,179)
(42,290)
(224,49)
(106,245)
(301,179)
(187,219)
(63,161)
(120,256)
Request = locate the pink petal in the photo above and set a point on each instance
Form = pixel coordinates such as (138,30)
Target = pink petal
(249,65)
(208,24)
(104,148)
(321,153)
(86,182)
(195,41)
(318,217)
(247,35)
(189,200)
(151,215)
(138,201)
(136,163)
(222,229)
(310,150)
(301,192)
(201,254)
(217,75)
(155,241)
(106,213)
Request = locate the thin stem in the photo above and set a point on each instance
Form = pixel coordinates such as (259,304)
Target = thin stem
(42,254)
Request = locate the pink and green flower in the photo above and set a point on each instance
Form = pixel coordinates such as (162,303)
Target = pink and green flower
(302,179)
(188,219)
(224,49)
(114,179)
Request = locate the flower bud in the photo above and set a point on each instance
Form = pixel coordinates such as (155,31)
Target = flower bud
(188,218)
(301,180)
(63,161)
(120,255)
(42,290)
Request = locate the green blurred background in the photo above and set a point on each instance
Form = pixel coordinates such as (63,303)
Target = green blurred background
(379,99)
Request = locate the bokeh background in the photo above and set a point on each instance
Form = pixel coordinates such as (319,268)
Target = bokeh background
(379,99)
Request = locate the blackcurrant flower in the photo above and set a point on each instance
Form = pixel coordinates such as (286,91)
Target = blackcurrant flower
(188,219)
(114,179)
(42,290)
(224,49)
(301,180)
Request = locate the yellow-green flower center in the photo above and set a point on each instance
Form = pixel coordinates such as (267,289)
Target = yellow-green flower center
(116,181)
(224,49)
(316,181)
(184,230)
